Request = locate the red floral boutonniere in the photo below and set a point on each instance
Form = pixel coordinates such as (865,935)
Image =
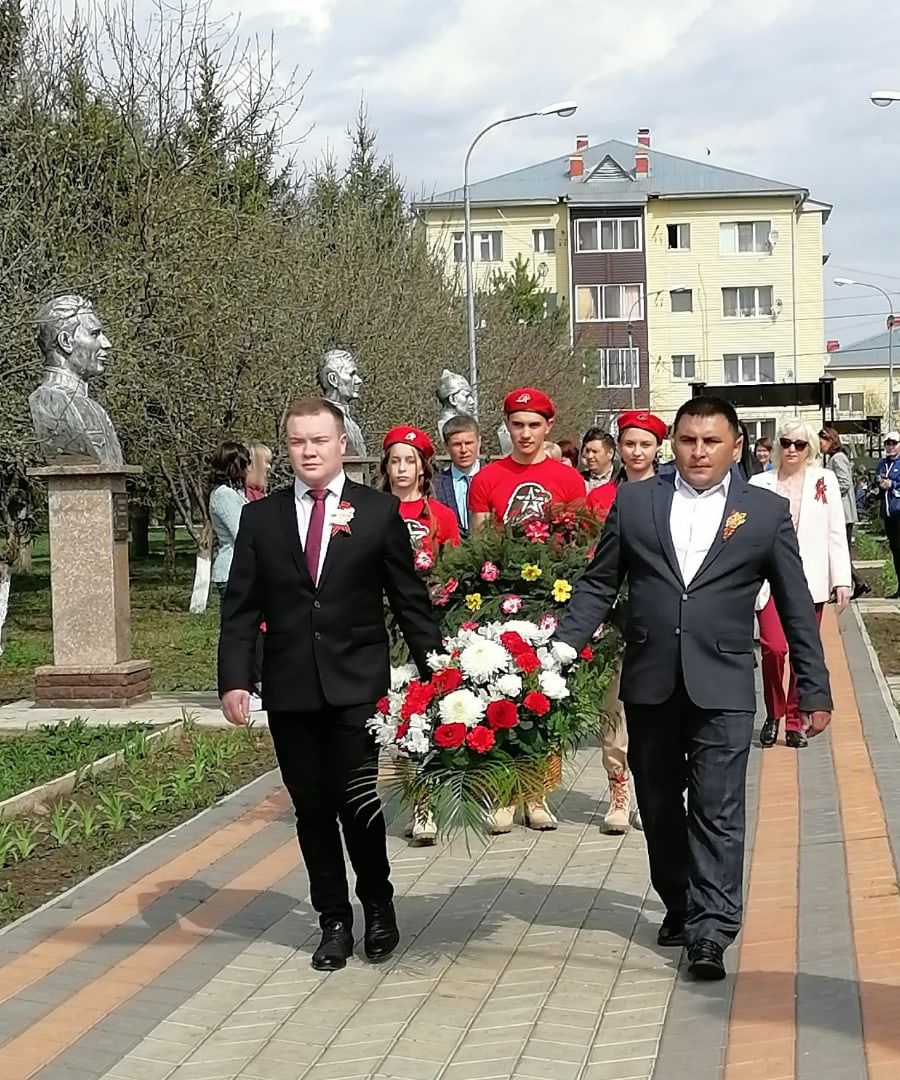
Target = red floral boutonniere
(820,490)
(732,523)
(341,518)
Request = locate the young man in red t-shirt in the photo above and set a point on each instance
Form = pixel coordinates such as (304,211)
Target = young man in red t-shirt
(522,485)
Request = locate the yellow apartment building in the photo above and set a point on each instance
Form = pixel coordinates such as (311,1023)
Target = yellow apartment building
(860,373)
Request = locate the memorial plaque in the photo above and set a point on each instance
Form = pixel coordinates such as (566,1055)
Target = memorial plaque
(120,515)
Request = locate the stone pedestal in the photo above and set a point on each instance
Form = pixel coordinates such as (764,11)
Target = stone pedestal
(93,668)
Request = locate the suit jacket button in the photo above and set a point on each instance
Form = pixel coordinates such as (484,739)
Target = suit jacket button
(677,631)
(316,604)
(684,596)
(317,636)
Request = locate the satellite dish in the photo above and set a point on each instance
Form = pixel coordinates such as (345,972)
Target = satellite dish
(773,237)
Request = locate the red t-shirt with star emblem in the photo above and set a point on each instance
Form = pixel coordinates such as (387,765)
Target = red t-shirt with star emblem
(515,492)
(430,532)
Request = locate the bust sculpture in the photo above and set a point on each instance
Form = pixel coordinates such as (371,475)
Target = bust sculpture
(340,383)
(455,397)
(72,428)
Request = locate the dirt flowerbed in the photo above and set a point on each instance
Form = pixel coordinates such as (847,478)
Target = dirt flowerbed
(884,632)
(159,785)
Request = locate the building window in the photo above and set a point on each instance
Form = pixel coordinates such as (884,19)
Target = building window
(679,237)
(609,303)
(758,429)
(747,302)
(544,241)
(684,366)
(896,401)
(749,368)
(854,403)
(744,237)
(681,300)
(607,234)
(617,367)
(486,246)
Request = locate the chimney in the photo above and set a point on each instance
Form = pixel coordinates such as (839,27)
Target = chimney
(576,166)
(641,163)
(644,137)
(581,143)
(833,345)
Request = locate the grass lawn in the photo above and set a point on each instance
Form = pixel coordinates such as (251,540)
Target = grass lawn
(873,545)
(181,646)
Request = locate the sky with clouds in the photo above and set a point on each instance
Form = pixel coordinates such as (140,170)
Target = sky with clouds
(779,88)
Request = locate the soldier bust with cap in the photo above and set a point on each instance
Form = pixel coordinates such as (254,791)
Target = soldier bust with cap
(523,484)
(640,436)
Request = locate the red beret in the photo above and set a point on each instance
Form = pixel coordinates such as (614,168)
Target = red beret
(646,421)
(527,399)
(411,436)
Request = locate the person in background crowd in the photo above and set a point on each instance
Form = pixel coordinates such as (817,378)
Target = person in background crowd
(553,450)
(817,514)
(257,485)
(227,482)
(887,475)
(640,437)
(598,453)
(763,453)
(462,439)
(836,458)
(406,472)
(569,452)
(517,488)
(748,465)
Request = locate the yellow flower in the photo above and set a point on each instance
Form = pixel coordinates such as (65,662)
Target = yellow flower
(562,590)
(473,601)
(531,572)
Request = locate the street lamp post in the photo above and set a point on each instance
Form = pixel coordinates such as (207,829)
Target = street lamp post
(890,302)
(559,108)
(883,98)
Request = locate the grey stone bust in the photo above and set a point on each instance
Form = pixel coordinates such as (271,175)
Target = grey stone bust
(72,428)
(340,382)
(455,398)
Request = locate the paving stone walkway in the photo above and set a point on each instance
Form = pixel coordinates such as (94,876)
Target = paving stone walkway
(531,957)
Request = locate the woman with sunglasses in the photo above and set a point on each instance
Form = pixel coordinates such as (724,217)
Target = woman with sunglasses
(818,516)
(836,458)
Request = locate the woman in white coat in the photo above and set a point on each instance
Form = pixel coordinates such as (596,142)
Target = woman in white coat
(818,515)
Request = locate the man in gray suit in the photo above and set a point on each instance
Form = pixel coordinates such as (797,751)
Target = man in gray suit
(694,547)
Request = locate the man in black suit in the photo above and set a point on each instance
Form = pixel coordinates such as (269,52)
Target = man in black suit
(315,560)
(694,547)
(462,439)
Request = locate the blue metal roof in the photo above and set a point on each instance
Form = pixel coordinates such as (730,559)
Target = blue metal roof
(669,176)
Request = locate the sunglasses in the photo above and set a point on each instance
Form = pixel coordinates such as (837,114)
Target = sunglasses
(798,444)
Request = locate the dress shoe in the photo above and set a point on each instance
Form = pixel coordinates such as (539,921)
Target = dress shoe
(671,933)
(705,961)
(796,739)
(335,947)
(768,734)
(382,935)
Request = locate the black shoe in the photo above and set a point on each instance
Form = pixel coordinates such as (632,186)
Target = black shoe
(862,588)
(796,739)
(768,734)
(382,935)
(334,948)
(671,933)
(705,961)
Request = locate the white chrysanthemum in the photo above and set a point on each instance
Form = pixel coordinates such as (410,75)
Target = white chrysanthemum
(401,676)
(553,685)
(385,733)
(547,659)
(437,660)
(509,685)
(528,631)
(462,707)
(481,659)
(417,742)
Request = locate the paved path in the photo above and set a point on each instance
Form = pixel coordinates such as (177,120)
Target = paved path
(531,957)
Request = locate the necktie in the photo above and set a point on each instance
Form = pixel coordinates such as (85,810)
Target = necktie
(314,532)
(464,509)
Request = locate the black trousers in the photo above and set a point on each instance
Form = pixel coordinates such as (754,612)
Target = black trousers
(892,532)
(696,855)
(854,574)
(329,764)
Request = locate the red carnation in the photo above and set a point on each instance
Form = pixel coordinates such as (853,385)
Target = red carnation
(449,736)
(469,625)
(587,653)
(527,661)
(513,643)
(384,705)
(447,680)
(537,702)
(503,714)
(402,729)
(480,739)
(418,697)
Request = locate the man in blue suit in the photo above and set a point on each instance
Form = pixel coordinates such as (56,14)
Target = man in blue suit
(462,438)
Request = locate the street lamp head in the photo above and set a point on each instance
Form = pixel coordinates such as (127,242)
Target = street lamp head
(559,108)
(844,281)
(883,98)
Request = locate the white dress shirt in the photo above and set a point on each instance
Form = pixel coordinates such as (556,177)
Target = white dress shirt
(695,520)
(304,505)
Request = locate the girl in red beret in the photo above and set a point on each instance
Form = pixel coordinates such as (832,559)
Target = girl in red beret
(640,437)
(407,473)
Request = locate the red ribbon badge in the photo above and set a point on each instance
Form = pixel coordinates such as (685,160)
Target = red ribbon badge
(820,490)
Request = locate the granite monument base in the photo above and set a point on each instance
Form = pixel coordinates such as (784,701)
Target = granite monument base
(92,687)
